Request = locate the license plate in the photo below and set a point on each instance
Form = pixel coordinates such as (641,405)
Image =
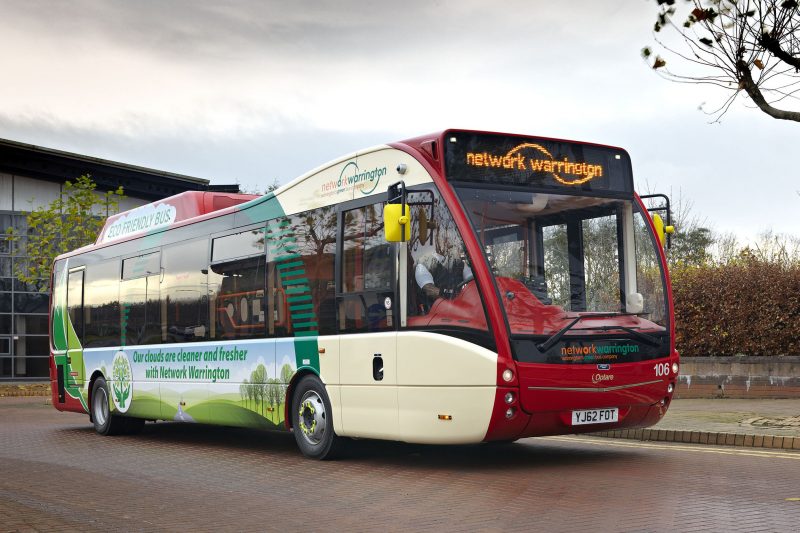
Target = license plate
(595,416)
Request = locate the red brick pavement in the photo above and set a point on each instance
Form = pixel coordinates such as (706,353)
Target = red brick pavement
(57,475)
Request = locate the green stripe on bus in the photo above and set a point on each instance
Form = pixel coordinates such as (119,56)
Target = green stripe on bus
(290,273)
(304,298)
(297,290)
(301,307)
(305,325)
(306,350)
(293,264)
(302,315)
(296,281)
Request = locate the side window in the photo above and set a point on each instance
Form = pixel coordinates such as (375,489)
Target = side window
(237,281)
(442,293)
(368,272)
(184,291)
(139,301)
(649,276)
(556,264)
(601,263)
(102,305)
(300,273)
(437,255)
(75,302)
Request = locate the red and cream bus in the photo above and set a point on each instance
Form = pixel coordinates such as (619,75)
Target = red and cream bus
(457,287)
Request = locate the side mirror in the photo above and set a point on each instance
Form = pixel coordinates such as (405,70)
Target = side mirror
(396,222)
(396,217)
(634,302)
(662,230)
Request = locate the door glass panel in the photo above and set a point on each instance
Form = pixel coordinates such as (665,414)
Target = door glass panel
(368,257)
(368,271)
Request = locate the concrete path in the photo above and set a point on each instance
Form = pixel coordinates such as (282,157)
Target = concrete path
(750,423)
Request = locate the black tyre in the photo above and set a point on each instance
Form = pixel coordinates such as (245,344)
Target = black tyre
(312,420)
(105,423)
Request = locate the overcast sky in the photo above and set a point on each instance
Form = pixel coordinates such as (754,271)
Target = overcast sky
(250,92)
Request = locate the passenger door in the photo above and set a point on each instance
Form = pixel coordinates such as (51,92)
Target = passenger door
(367,319)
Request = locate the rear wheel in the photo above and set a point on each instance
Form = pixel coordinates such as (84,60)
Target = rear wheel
(105,423)
(312,420)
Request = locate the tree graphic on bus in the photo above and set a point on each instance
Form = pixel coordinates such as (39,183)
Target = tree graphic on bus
(264,395)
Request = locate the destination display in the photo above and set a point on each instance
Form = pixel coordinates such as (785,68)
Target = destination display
(537,163)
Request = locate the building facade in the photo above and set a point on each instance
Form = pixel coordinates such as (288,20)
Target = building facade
(31,177)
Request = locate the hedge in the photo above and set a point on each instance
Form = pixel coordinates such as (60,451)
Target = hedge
(750,307)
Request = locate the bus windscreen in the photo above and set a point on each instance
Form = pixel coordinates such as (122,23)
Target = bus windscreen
(537,164)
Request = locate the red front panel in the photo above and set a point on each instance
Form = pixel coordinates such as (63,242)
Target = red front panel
(552,392)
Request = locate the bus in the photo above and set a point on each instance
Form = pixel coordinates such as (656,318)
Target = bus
(459,287)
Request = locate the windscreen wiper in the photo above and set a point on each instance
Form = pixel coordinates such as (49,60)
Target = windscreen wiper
(546,345)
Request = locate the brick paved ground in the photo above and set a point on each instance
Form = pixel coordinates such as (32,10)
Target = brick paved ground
(56,474)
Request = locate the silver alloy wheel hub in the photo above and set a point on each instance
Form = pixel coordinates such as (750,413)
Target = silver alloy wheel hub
(100,406)
(311,418)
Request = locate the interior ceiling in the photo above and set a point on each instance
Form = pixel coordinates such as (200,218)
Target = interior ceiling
(515,213)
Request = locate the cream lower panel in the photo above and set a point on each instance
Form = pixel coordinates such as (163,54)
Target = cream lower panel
(469,407)
(430,359)
(335,396)
(371,412)
(329,359)
(329,373)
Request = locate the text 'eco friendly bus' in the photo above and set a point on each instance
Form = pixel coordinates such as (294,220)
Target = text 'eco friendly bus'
(453,288)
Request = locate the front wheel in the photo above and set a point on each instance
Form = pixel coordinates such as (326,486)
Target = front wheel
(105,423)
(312,420)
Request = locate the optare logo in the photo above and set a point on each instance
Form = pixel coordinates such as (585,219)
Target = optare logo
(599,378)
(121,381)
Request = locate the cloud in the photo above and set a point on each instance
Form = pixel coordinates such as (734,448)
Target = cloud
(254,90)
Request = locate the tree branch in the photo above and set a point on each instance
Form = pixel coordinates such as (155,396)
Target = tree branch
(772,45)
(751,88)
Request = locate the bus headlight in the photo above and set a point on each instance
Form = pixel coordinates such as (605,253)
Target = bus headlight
(674,368)
(510,398)
(670,388)
(508,374)
(510,412)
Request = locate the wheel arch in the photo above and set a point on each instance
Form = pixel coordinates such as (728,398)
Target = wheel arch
(96,374)
(287,404)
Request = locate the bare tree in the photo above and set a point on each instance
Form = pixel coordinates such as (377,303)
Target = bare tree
(750,46)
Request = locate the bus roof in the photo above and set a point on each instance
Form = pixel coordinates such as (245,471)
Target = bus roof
(165,212)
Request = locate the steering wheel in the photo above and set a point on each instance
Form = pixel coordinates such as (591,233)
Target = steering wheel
(460,286)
